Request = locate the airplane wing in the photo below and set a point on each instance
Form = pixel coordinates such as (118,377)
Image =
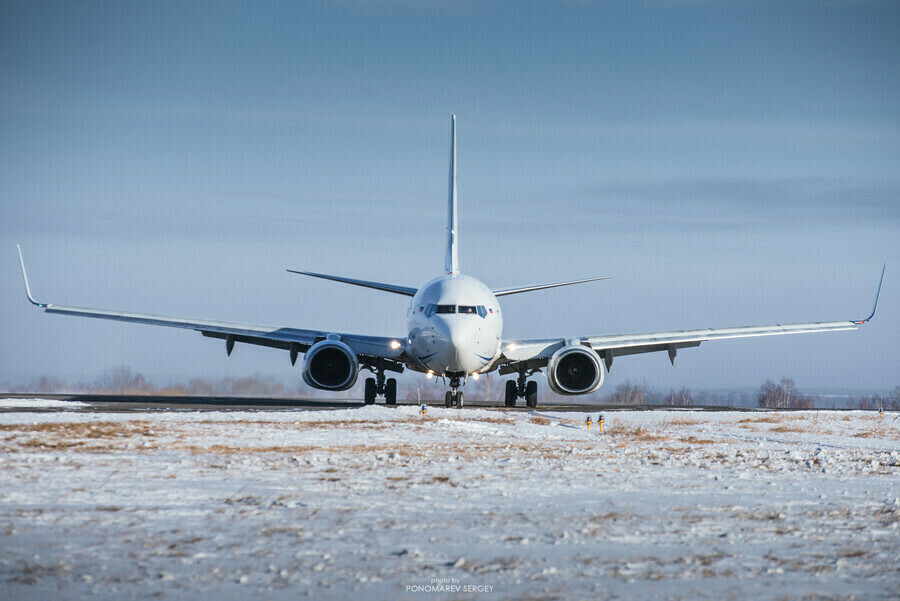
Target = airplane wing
(291,339)
(615,345)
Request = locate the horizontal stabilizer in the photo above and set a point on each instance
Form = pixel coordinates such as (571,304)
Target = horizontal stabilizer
(522,289)
(405,291)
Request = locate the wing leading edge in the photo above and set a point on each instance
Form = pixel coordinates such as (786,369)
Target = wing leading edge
(609,346)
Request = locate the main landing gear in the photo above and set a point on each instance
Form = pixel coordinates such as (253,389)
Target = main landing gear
(454,397)
(381,386)
(522,387)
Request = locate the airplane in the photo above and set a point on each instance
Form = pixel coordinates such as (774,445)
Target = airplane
(454,331)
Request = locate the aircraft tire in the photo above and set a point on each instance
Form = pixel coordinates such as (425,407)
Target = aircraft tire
(370,391)
(459,400)
(448,399)
(531,396)
(512,393)
(390,391)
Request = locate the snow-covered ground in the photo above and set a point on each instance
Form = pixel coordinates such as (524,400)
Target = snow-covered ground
(381,503)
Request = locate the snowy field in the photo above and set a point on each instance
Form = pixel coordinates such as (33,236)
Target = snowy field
(381,503)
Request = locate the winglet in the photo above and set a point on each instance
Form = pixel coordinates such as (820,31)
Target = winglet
(877,294)
(25,277)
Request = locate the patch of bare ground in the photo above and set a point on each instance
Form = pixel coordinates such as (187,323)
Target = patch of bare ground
(84,429)
(879,431)
(443,480)
(695,440)
(759,420)
(785,428)
(684,421)
(539,421)
(761,516)
(888,515)
(221,449)
(86,437)
(636,433)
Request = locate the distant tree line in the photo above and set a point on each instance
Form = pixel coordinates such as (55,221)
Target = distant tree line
(783,395)
(124,380)
(632,392)
(889,401)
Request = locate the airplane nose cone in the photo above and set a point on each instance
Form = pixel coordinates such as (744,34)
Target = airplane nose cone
(459,344)
(464,338)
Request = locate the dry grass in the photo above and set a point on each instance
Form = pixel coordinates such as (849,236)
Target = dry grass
(684,421)
(695,440)
(635,433)
(539,421)
(761,420)
(88,437)
(787,429)
(879,431)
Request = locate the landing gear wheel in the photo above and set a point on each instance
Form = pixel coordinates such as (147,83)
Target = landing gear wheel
(448,399)
(459,400)
(370,391)
(512,393)
(531,394)
(390,391)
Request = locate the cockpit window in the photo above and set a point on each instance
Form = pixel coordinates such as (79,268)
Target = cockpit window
(482,311)
(446,308)
(467,309)
(429,310)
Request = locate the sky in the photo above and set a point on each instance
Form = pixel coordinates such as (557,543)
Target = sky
(729,163)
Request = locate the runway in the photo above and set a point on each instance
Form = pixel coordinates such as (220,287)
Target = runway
(136,403)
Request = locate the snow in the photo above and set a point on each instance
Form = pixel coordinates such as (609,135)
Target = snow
(382,503)
(41,404)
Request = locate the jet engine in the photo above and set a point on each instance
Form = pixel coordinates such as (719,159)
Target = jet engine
(575,369)
(330,365)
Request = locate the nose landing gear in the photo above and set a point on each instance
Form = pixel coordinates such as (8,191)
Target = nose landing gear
(454,397)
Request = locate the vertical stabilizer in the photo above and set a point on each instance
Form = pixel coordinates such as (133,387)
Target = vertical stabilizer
(451,260)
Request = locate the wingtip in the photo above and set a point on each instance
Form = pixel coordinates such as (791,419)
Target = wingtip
(877,296)
(25,278)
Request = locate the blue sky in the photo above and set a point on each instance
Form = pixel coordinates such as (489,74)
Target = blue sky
(730,163)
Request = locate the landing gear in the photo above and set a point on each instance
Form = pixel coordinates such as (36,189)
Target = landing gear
(531,394)
(521,387)
(379,385)
(390,392)
(512,393)
(370,391)
(454,396)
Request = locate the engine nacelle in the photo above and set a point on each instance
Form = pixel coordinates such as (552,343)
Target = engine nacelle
(330,365)
(575,369)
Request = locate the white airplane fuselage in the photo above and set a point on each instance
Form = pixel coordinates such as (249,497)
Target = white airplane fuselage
(455,326)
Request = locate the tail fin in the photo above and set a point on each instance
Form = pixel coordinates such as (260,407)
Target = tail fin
(451,259)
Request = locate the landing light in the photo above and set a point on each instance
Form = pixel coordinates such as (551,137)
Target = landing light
(429,375)
(395,344)
(475,376)
(512,346)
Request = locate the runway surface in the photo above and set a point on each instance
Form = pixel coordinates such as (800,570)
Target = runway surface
(115,403)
